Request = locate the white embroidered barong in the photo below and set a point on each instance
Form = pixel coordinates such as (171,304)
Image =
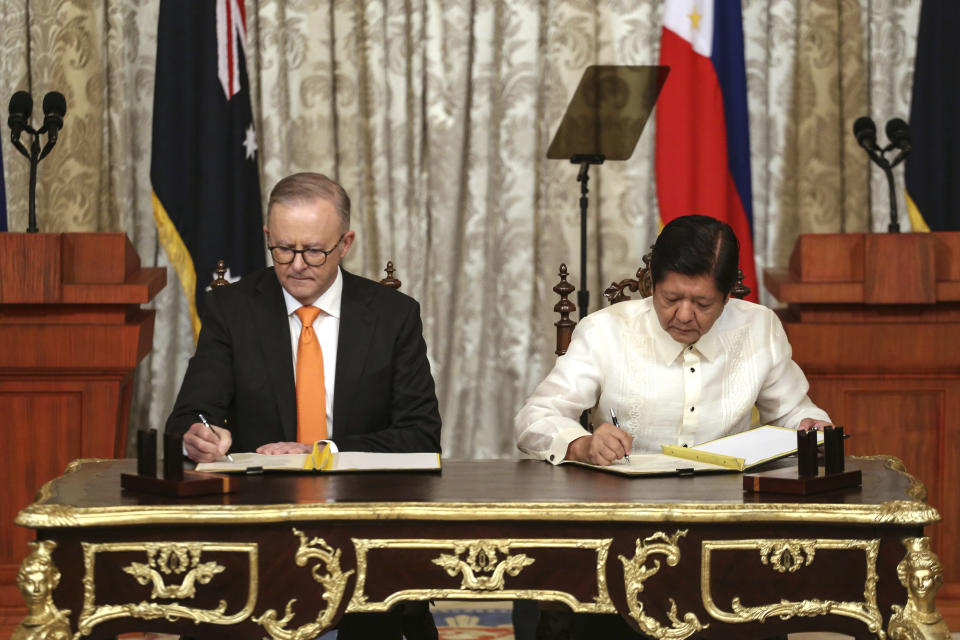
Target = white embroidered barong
(665,392)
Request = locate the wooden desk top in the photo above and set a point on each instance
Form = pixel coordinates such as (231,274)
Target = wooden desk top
(89,494)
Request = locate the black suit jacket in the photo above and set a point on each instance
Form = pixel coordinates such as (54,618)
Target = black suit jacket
(241,375)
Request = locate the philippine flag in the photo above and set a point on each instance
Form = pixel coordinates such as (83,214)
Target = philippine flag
(703,139)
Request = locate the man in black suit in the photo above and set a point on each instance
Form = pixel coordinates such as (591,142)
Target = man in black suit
(379,393)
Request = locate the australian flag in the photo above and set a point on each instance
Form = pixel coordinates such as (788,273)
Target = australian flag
(204,169)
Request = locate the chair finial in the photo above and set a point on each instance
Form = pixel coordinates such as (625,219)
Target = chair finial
(221,271)
(390,281)
(565,307)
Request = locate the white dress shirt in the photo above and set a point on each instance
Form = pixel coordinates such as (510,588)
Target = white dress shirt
(327,328)
(665,392)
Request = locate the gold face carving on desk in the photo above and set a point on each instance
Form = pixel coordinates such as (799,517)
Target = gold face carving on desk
(334,583)
(922,574)
(635,573)
(36,580)
(866,611)
(166,561)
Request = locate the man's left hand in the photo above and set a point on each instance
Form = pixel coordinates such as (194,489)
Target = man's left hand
(816,425)
(277,448)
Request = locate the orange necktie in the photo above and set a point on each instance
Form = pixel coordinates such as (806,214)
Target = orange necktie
(311,394)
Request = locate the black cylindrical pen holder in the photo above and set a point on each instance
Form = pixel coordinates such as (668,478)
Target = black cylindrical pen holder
(806,454)
(147,453)
(172,456)
(833,449)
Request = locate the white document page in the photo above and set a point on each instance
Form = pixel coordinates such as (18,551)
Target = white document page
(243,461)
(365,461)
(650,464)
(757,445)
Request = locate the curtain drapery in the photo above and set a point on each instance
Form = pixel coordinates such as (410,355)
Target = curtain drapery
(436,115)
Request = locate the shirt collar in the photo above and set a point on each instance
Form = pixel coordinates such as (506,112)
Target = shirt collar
(328,302)
(709,343)
(669,349)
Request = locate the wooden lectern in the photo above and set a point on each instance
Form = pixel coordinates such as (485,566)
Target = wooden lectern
(874,321)
(71,335)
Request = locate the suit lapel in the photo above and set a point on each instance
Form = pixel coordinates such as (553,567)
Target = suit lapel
(356,330)
(270,318)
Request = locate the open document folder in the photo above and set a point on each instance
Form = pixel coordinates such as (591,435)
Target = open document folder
(739,452)
(323,460)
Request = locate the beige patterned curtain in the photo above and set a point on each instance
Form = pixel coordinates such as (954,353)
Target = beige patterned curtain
(436,116)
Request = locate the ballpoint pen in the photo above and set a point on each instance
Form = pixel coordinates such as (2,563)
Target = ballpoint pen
(616,423)
(207,425)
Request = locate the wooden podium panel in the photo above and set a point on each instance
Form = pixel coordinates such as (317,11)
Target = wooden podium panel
(874,322)
(71,335)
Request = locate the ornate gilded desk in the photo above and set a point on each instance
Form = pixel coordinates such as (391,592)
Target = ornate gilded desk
(286,555)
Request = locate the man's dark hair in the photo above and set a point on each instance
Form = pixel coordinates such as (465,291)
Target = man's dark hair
(695,246)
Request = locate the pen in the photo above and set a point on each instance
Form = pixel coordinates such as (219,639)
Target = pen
(616,423)
(207,425)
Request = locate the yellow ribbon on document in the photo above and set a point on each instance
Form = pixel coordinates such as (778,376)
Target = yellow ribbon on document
(319,459)
(690,453)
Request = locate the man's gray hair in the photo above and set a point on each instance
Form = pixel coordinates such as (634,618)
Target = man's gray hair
(303,188)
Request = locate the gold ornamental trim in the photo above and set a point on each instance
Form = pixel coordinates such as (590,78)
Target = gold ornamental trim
(913,512)
(166,561)
(46,491)
(333,580)
(482,569)
(916,491)
(786,556)
(483,565)
(178,559)
(865,611)
(636,571)
(900,512)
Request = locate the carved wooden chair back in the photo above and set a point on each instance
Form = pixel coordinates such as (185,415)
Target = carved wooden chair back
(221,272)
(642,283)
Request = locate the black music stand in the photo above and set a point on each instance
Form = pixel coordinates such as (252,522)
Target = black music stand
(603,122)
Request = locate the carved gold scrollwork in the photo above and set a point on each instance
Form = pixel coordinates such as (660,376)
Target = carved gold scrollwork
(179,559)
(636,572)
(866,611)
(787,555)
(482,559)
(36,580)
(922,574)
(333,580)
(173,559)
(484,565)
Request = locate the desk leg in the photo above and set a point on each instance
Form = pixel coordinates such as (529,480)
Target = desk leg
(37,579)
(921,573)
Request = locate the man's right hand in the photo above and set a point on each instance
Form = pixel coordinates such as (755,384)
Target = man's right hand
(607,445)
(203,446)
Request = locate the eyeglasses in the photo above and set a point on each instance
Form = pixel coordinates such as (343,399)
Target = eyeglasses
(313,257)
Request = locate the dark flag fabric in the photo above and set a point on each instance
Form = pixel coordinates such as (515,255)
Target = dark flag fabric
(933,166)
(3,198)
(203,169)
